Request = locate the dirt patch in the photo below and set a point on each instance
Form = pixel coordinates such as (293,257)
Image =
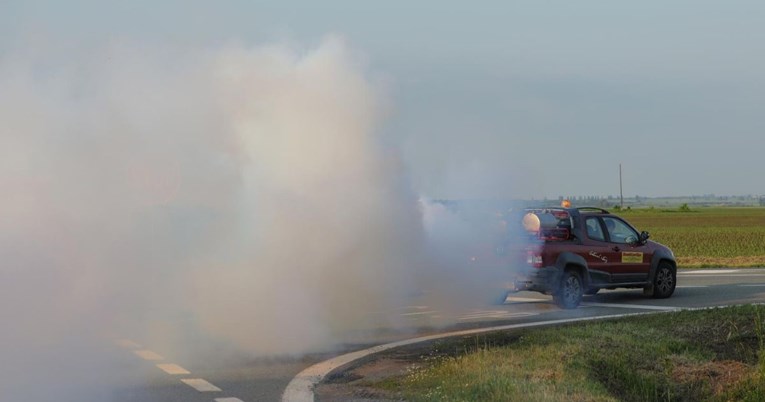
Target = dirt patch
(384,368)
(719,375)
(349,385)
(342,393)
(728,337)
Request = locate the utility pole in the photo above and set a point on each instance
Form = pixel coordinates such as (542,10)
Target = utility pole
(621,194)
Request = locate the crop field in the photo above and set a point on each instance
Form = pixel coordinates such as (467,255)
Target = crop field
(706,237)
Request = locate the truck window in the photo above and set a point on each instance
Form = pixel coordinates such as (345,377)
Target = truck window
(618,231)
(594,231)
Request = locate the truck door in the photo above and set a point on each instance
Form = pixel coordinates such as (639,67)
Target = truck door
(631,260)
(595,250)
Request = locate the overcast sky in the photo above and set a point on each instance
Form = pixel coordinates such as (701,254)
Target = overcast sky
(498,99)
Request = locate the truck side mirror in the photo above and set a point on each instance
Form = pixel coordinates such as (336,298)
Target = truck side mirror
(644,237)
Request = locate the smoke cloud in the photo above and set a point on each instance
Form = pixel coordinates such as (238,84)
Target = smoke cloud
(245,187)
(325,228)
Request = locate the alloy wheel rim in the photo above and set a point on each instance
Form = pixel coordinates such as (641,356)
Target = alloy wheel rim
(664,280)
(572,289)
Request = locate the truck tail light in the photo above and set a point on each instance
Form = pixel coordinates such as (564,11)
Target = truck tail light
(534,259)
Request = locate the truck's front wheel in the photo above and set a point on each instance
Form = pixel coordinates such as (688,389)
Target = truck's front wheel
(570,292)
(665,281)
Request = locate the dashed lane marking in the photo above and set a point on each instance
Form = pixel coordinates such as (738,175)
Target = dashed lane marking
(173,369)
(690,286)
(127,344)
(200,385)
(633,306)
(148,355)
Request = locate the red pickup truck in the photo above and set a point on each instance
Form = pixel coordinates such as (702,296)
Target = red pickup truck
(577,251)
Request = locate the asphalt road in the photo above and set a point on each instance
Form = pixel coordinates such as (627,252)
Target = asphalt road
(166,372)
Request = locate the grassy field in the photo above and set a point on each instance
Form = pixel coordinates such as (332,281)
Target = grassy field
(706,237)
(709,355)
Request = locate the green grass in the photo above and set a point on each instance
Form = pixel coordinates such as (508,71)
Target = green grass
(709,355)
(705,237)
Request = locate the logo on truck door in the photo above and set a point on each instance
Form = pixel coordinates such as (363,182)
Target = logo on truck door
(599,256)
(630,257)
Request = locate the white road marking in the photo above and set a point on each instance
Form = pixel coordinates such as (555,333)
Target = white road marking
(637,306)
(200,385)
(485,312)
(148,355)
(753,285)
(736,275)
(127,344)
(173,369)
(228,400)
(711,271)
(494,314)
(420,313)
(690,286)
(525,299)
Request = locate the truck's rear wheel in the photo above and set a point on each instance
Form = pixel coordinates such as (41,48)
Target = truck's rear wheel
(570,292)
(501,298)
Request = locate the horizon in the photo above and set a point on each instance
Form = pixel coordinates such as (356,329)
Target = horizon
(615,197)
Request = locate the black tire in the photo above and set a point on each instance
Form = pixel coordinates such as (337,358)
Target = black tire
(592,291)
(664,281)
(570,292)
